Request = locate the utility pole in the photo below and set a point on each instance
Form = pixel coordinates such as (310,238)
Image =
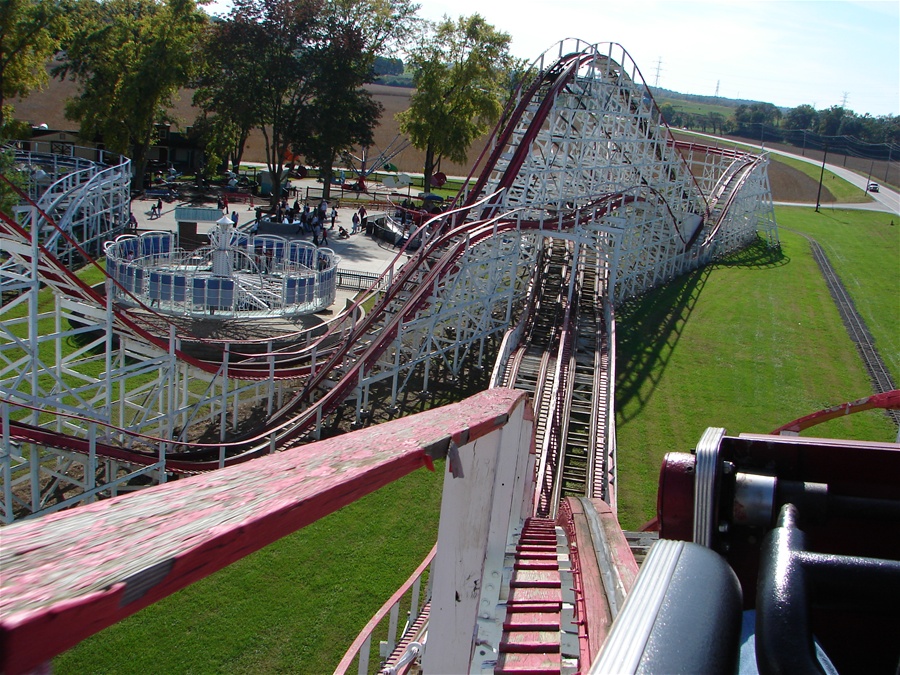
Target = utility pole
(821,176)
(658,68)
(717,88)
(888,167)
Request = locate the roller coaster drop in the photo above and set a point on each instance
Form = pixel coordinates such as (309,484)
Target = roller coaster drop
(582,200)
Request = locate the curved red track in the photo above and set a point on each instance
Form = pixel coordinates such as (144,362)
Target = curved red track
(297,417)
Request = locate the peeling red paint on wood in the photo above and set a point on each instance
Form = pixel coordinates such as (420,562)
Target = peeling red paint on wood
(593,607)
(70,574)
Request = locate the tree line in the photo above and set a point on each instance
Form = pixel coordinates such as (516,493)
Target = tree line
(294,70)
(837,127)
(291,69)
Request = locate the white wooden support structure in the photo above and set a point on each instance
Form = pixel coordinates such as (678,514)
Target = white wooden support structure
(487,496)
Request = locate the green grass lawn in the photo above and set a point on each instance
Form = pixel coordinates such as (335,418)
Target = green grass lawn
(751,343)
(747,344)
(864,249)
(89,366)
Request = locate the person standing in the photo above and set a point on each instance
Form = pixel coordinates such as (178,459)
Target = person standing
(363,217)
(159,208)
(234,218)
(333,216)
(305,218)
(355,227)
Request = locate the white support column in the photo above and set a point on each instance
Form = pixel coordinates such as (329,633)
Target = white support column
(479,511)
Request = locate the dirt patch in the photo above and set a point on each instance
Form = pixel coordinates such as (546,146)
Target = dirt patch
(790,185)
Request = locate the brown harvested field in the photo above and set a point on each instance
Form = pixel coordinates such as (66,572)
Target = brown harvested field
(46,106)
(790,185)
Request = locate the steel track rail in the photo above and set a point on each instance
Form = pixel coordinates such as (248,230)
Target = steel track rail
(882,382)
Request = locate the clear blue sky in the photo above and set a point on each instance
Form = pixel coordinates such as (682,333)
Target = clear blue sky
(820,52)
(786,53)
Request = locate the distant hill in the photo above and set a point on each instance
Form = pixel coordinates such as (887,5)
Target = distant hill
(660,93)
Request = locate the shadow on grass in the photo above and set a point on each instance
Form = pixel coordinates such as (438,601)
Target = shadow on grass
(649,327)
(756,256)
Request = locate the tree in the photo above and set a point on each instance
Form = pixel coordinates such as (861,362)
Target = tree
(382,24)
(224,90)
(342,115)
(752,119)
(830,120)
(802,117)
(667,110)
(279,37)
(387,66)
(30,31)
(460,75)
(852,125)
(131,57)
(8,196)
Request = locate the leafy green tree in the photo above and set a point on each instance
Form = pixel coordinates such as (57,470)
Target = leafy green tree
(343,115)
(460,76)
(352,33)
(293,69)
(386,66)
(830,120)
(802,117)
(279,37)
(221,139)
(30,32)
(667,110)
(130,57)
(852,125)
(224,90)
(8,197)
(382,24)
(752,120)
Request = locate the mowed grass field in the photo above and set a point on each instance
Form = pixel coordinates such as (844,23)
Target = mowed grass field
(747,344)
(753,342)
